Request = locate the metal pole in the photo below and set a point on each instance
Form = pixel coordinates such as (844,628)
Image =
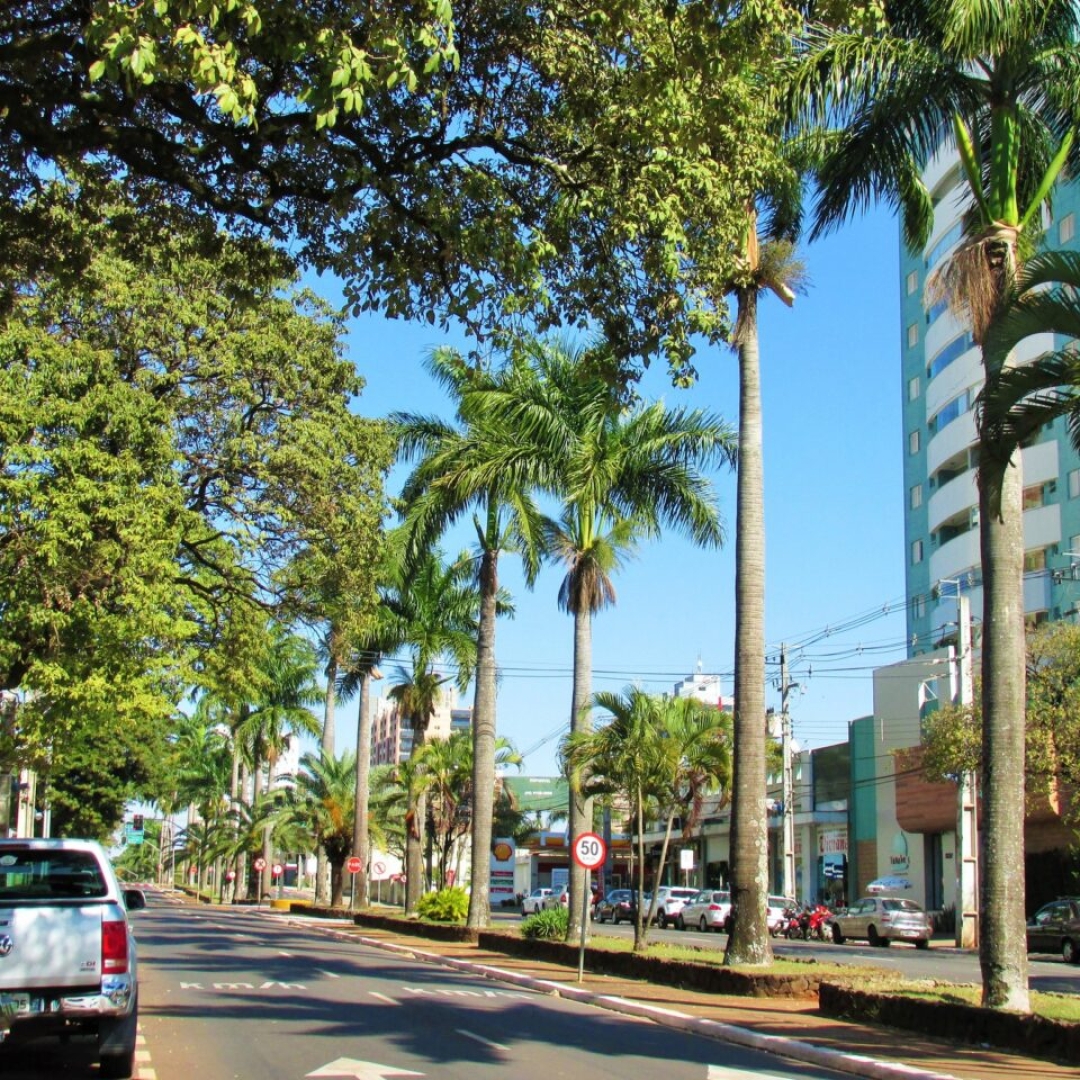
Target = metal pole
(584,923)
(967,821)
(788,818)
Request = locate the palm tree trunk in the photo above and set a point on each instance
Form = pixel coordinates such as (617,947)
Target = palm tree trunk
(580,720)
(415,827)
(640,940)
(363,789)
(484,724)
(240,888)
(749,940)
(1002,941)
(326,746)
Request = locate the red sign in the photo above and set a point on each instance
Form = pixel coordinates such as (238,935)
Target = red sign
(230,875)
(589,851)
(277,870)
(259,864)
(353,864)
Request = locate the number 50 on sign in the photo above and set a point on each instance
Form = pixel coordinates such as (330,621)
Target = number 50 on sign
(589,851)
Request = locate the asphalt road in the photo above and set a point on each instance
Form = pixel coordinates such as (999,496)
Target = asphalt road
(229,994)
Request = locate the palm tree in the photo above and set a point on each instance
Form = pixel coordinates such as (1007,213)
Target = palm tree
(280,712)
(322,805)
(476,466)
(436,605)
(998,81)
(663,755)
(621,474)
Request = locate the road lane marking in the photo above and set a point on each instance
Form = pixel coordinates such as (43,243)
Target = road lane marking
(282,952)
(361,1070)
(328,974)
(481,1039)
(384,997)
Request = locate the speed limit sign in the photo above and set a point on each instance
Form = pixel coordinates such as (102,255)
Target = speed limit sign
(589,851)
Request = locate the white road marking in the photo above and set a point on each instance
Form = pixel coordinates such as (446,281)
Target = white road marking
(328,974)
(481,1039)
(384,997)
(361,1070)
(718,1072)
(282,952)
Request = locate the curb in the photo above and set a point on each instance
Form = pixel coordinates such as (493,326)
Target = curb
(777,1045)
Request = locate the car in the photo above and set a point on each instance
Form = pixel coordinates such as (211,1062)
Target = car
(557,897)
(534,902)
(68,959)
(708,910)
(776,913)
(669,902)
(881,920)
(620,905)
(1055,928)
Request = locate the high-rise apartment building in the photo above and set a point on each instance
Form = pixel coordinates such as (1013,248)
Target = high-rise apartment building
(392,738)
(942,377)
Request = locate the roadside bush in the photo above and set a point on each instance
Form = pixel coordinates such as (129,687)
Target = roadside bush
(446,905)
(547,925)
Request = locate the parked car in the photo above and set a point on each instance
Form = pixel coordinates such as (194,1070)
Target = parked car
(708,910)
(68,959)
(669,902)
(776,913)
(1055,928)
(881,920)
(557,897)
(534,902)
(620,905)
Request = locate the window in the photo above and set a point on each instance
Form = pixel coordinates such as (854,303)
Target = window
(912,282)
(916,552)
(913,442)
(1074,545)
(916,497)
(1066,228)
(950,352)
(1074,483)
(918,607)
(1034,560)
(1034,497)
(913,335)
(913,388)
(953,410)
(941,248)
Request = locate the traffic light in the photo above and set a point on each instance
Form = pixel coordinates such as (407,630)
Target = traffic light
(137,823)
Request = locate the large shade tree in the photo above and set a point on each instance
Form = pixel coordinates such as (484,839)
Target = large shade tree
(997,84)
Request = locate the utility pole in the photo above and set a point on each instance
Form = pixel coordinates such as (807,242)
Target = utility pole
(788,817)
(967,819)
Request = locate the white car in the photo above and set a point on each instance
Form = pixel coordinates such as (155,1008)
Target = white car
(670,900)
(534,902)
(708,910)
(560,898)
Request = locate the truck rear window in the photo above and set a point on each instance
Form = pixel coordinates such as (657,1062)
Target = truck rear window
(49,875)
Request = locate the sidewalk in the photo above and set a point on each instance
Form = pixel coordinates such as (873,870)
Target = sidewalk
(792,1028)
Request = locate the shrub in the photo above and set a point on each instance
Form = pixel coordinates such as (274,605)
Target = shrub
(547,925)
(446,905)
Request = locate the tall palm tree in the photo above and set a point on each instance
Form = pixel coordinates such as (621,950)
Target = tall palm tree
(621,474)
(437,606)
(280,712)
(476,466)
(999,82)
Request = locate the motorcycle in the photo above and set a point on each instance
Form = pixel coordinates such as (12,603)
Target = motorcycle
(792,925)
(816,923)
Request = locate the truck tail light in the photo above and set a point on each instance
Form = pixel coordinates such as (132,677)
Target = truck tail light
(114,947)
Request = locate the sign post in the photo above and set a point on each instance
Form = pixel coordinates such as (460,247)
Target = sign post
(353,865)
(259,865)
(589,853)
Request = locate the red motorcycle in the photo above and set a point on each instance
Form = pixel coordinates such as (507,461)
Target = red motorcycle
(816,922)
(792,925)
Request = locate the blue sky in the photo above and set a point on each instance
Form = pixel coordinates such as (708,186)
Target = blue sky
(831,390)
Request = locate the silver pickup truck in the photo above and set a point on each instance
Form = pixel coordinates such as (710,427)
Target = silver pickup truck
(67,953)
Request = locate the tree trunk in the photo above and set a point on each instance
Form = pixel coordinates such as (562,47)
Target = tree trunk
(326,749)
(337,884)
(361,845)
(580,720)
(416,826)
(240,886)
(1002,938)
(484,724)
(749,940)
